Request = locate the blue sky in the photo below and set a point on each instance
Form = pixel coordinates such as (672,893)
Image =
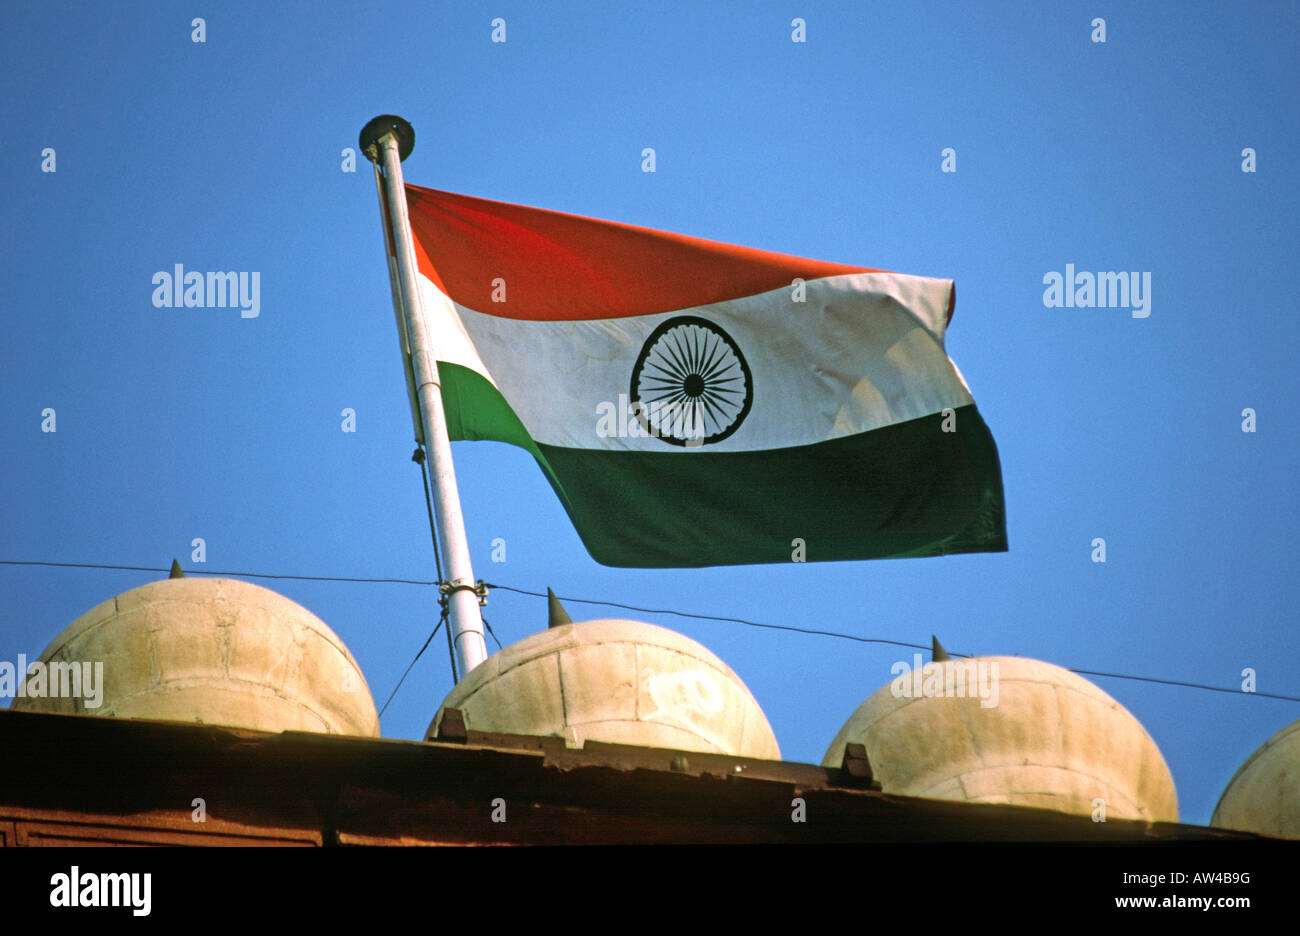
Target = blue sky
(181,423)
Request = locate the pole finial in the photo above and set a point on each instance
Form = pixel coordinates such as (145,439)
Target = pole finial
(378,128)
(937,653)
(176,571)
(556,616)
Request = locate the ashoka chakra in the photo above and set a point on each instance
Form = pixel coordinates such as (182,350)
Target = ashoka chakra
(690,385)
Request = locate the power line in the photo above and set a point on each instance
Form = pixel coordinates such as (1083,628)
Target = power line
(441,621)
(627,607)
(897,643)
(711,617)
(262,575)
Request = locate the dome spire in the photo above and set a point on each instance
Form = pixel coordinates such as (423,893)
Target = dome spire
(937,653)
(556,616)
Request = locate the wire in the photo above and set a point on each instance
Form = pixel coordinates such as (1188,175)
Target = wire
(262,575)
(881,640)
(419,458)
(627,607)
(441,621)
(1189,685)
(710,617)
(451,644)
(492,632)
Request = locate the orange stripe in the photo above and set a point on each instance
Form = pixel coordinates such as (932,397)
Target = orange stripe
(563,267)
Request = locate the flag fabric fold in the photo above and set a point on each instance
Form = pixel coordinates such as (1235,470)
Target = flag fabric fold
(695,403)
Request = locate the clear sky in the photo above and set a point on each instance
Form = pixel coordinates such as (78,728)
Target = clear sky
(227,155)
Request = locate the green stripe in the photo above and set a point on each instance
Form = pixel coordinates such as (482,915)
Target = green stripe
(476,410)
(906,490)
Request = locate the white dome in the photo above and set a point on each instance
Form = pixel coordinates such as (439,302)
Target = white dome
(216,651)
(1050,739)
(1264,794)
(621,682)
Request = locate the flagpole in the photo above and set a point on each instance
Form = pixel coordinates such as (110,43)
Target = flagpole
(386,141)
(399,310)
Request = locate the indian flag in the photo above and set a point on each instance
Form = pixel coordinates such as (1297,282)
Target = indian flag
(695,403)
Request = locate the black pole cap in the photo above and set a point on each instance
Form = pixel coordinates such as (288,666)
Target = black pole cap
(387,123)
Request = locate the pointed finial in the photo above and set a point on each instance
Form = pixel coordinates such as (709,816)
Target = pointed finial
(176,570)
(937,653)
(556,616)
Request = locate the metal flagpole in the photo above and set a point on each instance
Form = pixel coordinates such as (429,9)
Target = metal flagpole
(399,310)
(386,141)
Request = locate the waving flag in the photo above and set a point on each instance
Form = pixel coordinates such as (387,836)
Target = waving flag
(695,403)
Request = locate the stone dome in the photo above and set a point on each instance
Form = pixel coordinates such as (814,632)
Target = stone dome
(1263,796)
(1009,730)
(623,682)
(215,651)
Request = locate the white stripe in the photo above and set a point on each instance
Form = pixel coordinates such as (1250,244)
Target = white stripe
(863,351)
